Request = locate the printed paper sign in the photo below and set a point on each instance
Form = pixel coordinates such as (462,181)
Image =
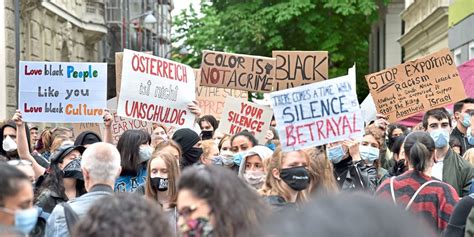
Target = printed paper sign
(297,68)
(420,85)
(211,100)
(62,92)
(121,124)
(237,71)
(240,114)
(318,113)
(156,90)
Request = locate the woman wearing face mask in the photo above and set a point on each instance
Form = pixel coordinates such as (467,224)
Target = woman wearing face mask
(226,156)
(17,214)
(240,143)
(162,184)
(208,125)
(286,180)
(416,190)
(158,135)
(62,183)
(349,171)
(369,149)
(190,144)
(253,169)
(209,152)
(213,201)
(135,151)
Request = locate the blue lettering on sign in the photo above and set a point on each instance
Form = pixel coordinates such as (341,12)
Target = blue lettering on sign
(89,73)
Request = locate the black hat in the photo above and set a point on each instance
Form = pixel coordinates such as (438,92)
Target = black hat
(63,151)
(86,138)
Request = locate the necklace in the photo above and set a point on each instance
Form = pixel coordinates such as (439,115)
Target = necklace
(339,175)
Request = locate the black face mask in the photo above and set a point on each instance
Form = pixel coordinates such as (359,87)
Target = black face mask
(161,184)
(297,177)
(206,135)
(192,156)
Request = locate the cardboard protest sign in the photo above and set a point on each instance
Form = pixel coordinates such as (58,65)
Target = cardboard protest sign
(121,124)
(420,85)
(118,72)
(62,91)
(240,114)
(237,71)
(297,68)
(211,100)
(78,128)
(318,113)
(156,90)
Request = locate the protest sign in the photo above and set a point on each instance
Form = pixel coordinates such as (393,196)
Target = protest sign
(318,113)
(368,106)
(237,71)
(121,124)
(297,68)
(62,91)
(78,128)
(156,90)
(240,114)
(118,72)
(211,100)
(420,85)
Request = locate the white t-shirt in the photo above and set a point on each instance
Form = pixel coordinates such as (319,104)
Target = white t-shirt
(437,170)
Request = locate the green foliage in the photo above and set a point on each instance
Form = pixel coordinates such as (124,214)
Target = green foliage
(257,27)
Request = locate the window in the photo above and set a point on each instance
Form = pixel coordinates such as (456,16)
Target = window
(457,57)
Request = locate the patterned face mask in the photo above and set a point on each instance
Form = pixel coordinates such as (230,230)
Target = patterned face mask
(200,227)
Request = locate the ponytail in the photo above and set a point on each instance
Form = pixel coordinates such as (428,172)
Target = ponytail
(419,156)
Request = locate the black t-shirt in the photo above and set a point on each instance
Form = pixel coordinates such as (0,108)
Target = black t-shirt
(457,222)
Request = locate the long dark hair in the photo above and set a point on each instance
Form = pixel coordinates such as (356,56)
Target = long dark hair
(54,181)
(129,145)
(419,148)
(12,124)
(237,209)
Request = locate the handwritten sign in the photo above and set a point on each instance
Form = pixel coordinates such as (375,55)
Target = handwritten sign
(121,124)
(240,114)
(62,92)
(318,113)
(297,68)
(78,128)
(420,85)
(211,100)
(156,90)
(237,71)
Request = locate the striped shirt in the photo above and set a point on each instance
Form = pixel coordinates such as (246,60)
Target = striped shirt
(435,203)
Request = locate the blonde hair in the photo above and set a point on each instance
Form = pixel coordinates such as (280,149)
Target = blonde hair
(469,155)
(321,172)
(207,148)
(58,142)
(173,176)
(274,186)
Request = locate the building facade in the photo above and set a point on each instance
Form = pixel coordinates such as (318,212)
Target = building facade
(461,30)
(50,30)
(426,27)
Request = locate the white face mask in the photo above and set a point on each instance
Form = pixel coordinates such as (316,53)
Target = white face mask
(9,144)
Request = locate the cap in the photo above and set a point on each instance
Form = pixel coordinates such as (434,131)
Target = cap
(63,151)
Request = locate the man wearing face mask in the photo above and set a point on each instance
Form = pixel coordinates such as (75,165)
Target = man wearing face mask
(350,172)
(462,114)
(17,214)
(449,166)
(208,125)
(190,144)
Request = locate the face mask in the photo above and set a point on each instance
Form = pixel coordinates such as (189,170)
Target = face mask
(206,135)
(335,154)
(192,156)
(255,178)
(440,137)
(466,120)
(9,144)
(271,146)
(238,158)
(161,184)
(73,169)
(228,160)
(297,177)
(25,220)
(200,227)
(368,153)
(145,153)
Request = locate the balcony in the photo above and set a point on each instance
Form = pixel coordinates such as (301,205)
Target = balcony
(94,13)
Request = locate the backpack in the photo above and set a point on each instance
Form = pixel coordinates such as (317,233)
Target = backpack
(414,195)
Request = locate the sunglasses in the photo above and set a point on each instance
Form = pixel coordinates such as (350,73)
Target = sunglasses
(19,162)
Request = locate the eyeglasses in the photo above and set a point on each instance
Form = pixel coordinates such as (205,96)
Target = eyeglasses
(19,162)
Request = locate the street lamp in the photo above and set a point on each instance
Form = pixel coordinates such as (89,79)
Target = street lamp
(148,19)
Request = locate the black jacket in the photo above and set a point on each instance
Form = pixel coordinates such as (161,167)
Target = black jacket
(462,139)
(351,175)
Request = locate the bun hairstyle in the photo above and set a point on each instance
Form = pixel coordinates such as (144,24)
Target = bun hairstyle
(419,148)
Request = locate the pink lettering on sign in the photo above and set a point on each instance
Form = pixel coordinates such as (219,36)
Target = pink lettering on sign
(32,71)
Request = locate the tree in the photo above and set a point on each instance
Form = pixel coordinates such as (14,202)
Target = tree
(257,27)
